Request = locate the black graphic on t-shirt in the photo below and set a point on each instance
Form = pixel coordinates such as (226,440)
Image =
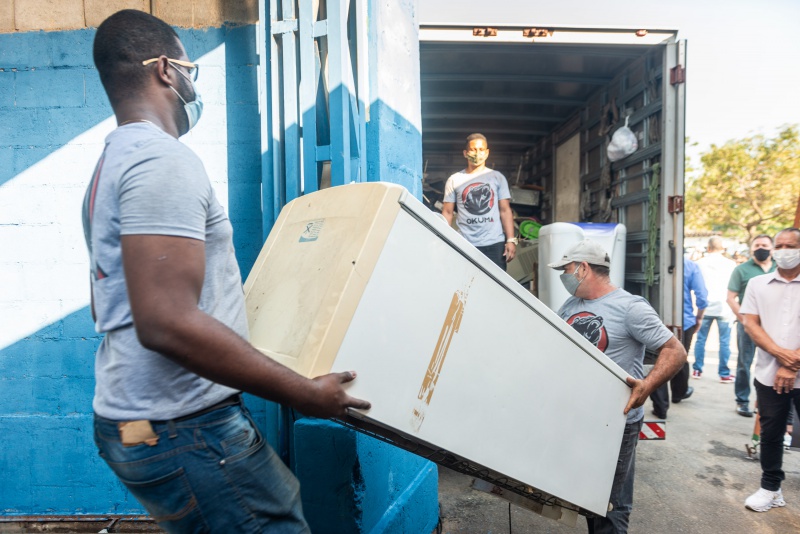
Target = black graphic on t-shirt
(478,198)
(591,327)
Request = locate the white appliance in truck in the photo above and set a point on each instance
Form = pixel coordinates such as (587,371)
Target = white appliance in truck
(461,363)
(557,238)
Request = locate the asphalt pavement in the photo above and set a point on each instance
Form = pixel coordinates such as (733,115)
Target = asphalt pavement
(695,481)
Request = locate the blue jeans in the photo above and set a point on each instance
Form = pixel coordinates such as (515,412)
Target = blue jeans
(724,344)
(210,473)
(617,520)
(747,350)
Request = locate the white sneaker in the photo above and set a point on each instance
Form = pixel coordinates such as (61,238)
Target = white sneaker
(763,500)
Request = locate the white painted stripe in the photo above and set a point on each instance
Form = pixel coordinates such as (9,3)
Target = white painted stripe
(44,265)
(649,433)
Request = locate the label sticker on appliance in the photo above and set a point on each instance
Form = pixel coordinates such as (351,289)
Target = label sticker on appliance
(312,230)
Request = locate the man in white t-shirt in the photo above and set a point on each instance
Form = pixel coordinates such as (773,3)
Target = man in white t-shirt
(484,214)
(717,270)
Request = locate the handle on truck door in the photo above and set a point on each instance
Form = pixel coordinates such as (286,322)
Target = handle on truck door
(671,268)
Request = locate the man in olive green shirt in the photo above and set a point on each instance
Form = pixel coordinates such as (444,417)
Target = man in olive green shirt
(760,262)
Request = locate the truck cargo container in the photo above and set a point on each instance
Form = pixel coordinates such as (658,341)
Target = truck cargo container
(548,99)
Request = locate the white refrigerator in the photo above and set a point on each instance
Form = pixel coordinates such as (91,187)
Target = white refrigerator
(461,364)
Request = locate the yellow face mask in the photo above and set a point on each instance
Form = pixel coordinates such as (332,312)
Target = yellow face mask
(477,158)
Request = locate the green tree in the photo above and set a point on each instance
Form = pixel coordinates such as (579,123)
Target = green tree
(746,186)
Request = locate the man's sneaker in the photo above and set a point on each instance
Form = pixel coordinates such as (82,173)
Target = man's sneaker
(696,373)
(743,410)
(763,500)
(727,379)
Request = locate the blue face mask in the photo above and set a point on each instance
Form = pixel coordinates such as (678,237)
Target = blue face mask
(193,109)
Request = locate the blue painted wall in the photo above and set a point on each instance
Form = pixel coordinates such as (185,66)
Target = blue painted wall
(352,483)
(54,115)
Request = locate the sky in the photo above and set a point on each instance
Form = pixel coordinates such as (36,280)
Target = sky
(743,57)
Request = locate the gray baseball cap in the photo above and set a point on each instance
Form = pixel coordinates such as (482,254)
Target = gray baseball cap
(587,250)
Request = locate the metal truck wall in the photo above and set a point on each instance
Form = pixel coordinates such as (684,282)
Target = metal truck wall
(638,190)
(549,100)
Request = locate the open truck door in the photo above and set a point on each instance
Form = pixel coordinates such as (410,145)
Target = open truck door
(549,100)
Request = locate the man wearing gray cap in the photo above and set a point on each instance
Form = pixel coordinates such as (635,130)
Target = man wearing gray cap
(621,325)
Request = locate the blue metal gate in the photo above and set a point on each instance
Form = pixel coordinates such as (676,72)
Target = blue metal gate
(313,97)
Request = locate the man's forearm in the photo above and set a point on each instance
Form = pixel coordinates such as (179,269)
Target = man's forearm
(671,356)
(507,220)
(787,358)
(447,212)
(210,349)
(734,305)
(670,359)
(700,314)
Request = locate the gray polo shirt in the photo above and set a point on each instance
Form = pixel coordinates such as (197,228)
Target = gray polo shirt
(776,301)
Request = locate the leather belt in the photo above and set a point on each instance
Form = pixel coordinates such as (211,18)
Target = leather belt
(233,400)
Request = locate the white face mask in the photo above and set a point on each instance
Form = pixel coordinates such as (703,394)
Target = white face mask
(193,109)
(787,258)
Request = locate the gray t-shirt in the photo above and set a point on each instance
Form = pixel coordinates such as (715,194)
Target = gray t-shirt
(477,198)
(147,182)
(621,325)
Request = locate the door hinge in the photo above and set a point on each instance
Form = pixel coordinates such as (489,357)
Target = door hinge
(484,32)
(675,204)
(677,74)
(536,32)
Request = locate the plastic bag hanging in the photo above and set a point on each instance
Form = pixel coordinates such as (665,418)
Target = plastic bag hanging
(623,143)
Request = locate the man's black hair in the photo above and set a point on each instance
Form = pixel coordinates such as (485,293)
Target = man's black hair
(122,42)
(761,236)
(472,137)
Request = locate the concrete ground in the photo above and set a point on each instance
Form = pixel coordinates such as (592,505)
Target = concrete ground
(694,481)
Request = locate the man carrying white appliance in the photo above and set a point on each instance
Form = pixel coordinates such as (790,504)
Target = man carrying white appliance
(621,325)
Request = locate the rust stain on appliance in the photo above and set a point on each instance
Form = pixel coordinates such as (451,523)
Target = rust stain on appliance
(452,323)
